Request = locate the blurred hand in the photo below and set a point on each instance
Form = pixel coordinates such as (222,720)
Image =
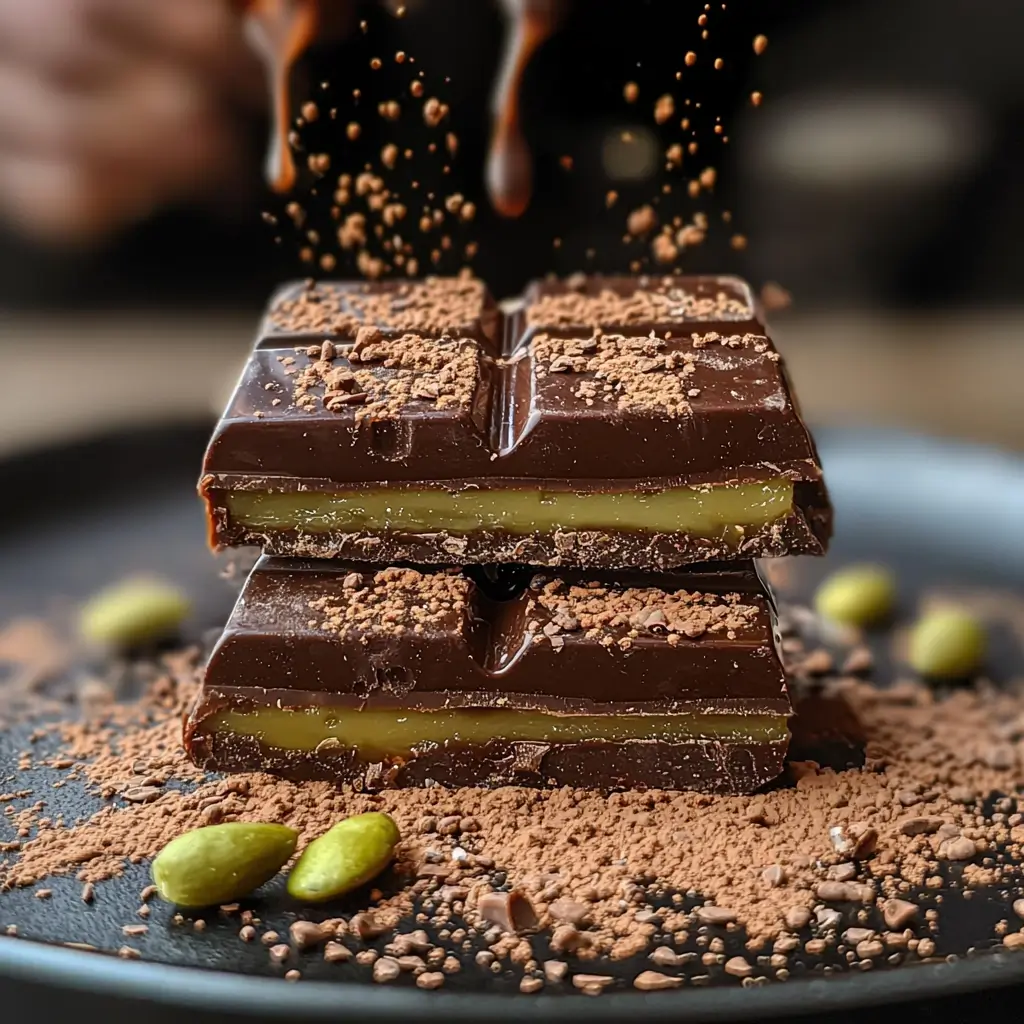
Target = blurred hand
(110,109)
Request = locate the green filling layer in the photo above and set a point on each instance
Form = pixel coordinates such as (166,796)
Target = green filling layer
(397,733)
(700,513)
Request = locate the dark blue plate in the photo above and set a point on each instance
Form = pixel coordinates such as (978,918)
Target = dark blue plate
(75,518)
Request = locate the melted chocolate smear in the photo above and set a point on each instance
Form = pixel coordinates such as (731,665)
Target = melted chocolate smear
(509,167)
(281,30)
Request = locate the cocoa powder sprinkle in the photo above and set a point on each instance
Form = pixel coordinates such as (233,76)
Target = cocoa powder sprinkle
(641,373)
(429,306)
(763,864)
(660,302)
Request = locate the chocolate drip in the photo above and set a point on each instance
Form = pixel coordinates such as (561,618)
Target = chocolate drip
(281,30)
(509,167)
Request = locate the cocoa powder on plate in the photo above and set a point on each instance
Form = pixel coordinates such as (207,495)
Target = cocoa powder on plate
(586,861)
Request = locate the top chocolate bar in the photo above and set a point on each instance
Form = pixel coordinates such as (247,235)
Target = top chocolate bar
(598,422)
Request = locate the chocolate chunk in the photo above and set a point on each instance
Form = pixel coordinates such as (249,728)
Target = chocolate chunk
(653,981)
(856,840)
(307,933)
(845,872)
(665,956)
(555,970)
(738,967)
(335,952)
(844,891)
(960,848)
(797,918)
(599,981)
(510,911)
(567,938)
(716,915)
(899,913)
(920,826)
(569,911)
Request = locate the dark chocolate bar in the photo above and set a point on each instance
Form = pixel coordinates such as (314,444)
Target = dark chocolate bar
(397,677)
(602,423)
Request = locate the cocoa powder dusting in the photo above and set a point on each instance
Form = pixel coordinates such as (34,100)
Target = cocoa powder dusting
(428,306)
(665,304)
(598,610)
(585,866)
(394,601)
(634,373)
(380,376)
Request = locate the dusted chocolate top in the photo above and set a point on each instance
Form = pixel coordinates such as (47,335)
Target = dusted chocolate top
(670,380)
(339,308)
(569,641)
(582,301)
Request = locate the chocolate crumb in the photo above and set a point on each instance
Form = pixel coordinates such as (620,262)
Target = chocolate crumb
(386,969)
(920,826)
(960,848)
(555,970)
(653,981)
(738,967)
(716,915)
(335,952)
(306,934)
(592,981)
(857,840)
(664,956)
(797,918)
(570,911)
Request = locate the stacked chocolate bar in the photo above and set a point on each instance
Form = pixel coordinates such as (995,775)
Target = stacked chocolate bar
(508,548)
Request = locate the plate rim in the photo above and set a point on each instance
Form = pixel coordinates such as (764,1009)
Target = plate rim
(213,991)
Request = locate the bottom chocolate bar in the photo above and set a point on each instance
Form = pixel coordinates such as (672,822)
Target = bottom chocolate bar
(400,677)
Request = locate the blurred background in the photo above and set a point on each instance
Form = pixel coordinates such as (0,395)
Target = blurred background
(878,178)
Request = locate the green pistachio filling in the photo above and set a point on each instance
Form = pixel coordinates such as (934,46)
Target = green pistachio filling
(390,733)
(708,512)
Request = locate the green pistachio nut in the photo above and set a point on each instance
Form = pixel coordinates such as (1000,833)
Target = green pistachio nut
(858,595)
(133,612)
(947,643)
(344,858)
(221,863)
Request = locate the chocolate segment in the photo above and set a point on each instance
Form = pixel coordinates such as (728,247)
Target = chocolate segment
(608,422)
(402,677)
